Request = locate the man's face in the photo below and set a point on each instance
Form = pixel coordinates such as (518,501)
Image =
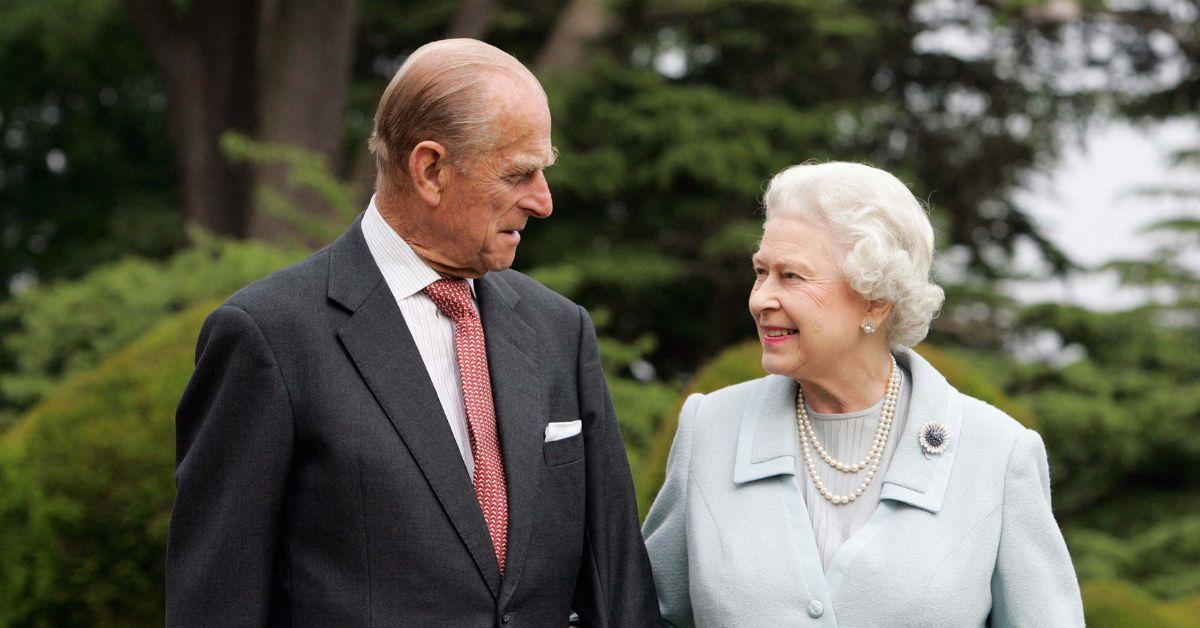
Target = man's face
(489,199)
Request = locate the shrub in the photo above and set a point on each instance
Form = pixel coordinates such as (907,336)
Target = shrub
(86,488)
(1122,605)
(57,330)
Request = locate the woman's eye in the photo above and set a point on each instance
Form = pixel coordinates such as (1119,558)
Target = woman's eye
(760,272)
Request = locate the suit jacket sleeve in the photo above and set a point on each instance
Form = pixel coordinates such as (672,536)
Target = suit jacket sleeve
(234,435)
(1034,583)
(666,526)
(615,586)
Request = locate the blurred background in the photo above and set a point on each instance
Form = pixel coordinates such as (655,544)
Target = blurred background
(156,155)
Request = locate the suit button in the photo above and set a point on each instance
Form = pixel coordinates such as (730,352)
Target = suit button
(815,608)
(506,617)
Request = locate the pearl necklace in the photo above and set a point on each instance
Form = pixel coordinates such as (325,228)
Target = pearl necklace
(874,455)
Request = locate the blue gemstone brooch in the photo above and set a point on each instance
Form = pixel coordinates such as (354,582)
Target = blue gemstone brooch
(934,438)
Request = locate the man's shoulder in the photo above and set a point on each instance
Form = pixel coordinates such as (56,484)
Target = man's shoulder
(297,286)
(537,295)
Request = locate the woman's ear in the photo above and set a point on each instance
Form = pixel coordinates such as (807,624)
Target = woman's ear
(427,167)
(878,311)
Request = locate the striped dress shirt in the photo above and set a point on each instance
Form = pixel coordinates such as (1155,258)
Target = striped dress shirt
(407,275)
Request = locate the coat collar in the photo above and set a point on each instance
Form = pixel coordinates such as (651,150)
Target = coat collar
(768,443)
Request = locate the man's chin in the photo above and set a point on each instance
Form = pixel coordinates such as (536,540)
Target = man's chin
(499,262)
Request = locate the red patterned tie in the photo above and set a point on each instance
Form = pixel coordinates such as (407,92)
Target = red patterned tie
(453,298)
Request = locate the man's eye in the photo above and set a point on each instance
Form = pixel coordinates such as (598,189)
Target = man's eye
(760,272)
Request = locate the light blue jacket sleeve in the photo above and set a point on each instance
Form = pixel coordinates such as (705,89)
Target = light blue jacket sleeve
(1034,583)
(665,529)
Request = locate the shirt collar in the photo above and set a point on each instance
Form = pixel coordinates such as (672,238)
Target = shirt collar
(406,273)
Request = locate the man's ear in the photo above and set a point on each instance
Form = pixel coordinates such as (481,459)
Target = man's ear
(427,166)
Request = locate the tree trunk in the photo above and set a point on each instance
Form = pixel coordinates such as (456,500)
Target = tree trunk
(580,24)
(273,70)
(472,19)
(207,63)
(306,55)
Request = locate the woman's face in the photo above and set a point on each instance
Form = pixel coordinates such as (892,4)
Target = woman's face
(806,314)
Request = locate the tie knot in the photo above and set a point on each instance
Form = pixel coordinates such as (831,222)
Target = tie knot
(452,297)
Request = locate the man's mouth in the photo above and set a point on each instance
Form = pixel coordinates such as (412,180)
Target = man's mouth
(778,332)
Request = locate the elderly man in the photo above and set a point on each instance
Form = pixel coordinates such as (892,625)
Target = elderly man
(399,430)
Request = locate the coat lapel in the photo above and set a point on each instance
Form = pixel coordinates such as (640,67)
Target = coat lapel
(519,395)
(912,478)
(767,441)
(768,446)
(378,341)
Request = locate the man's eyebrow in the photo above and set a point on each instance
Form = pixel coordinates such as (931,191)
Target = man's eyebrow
(529,163)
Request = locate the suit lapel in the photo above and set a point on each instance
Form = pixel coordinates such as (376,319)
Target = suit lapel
(519,394)
(378,341)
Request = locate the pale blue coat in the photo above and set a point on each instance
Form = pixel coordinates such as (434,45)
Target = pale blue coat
(965,538)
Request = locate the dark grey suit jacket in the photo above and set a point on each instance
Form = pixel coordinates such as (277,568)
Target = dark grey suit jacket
(319,483)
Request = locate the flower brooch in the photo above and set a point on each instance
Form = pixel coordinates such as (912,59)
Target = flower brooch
(934,438)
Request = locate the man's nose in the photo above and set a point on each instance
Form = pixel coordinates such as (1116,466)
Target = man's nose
(538,202)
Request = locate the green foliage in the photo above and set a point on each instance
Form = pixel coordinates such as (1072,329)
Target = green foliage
(56,330)
(304,170)
(1120,605)
(1164,558)
(642,407)
(86,172)
(656,188)
(86,489)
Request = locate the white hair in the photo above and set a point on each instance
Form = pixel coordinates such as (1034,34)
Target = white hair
(881,232)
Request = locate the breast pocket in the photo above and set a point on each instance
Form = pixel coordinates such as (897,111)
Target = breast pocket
(563,451)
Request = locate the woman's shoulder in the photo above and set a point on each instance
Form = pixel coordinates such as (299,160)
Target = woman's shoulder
(989,421)
(722,400)
(984,425)
(719,410)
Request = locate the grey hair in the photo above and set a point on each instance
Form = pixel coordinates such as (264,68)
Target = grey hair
(442,93)
(881,231)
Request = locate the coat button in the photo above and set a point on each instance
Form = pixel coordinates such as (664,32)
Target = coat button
(507,617)
(815,608)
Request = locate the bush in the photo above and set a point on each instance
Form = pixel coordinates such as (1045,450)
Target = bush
(86,488)
(57,330)
(1121,605)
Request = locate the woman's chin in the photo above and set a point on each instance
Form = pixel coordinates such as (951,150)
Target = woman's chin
(775,365)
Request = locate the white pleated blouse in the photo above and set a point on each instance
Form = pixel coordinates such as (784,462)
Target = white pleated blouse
(847,437)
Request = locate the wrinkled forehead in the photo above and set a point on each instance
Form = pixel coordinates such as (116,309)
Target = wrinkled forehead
(797,239)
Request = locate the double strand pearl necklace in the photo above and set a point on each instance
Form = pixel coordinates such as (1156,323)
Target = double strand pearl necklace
(874,455)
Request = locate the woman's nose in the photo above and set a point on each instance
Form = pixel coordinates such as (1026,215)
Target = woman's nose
(762,297)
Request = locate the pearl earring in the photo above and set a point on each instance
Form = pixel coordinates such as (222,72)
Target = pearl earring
(868,327)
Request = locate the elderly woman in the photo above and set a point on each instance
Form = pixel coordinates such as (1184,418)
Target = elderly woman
(853,486)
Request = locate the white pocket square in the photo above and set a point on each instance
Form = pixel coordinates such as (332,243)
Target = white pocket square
(562,429)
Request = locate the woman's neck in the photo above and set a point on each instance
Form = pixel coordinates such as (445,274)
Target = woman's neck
(854,384)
